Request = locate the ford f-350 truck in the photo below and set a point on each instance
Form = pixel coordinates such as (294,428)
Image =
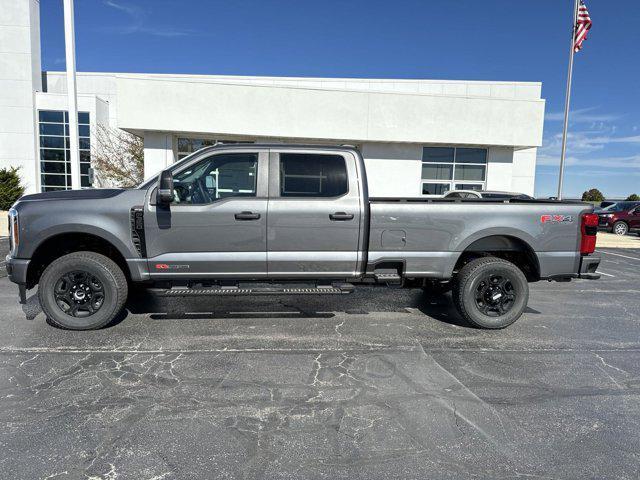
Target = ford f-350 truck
(287,219)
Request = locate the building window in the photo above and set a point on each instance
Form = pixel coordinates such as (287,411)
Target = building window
(186,146)
(446,168)
(55,159)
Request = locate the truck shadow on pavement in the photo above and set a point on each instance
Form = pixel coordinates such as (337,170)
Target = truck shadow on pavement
(438,307)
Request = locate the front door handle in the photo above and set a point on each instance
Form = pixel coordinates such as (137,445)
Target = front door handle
(341,216)
(247,216)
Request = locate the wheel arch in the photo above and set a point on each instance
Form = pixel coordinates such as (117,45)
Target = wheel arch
(621,220)
(506,246)
(58,244)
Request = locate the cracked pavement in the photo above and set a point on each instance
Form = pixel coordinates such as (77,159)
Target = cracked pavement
(384,383)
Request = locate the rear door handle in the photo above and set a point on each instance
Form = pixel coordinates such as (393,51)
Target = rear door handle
(247,216)
(341,216)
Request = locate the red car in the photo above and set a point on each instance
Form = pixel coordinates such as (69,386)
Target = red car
(620,218)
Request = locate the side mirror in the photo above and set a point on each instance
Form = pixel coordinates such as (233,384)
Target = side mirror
(165,188)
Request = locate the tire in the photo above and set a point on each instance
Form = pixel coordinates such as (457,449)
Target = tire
(82,291)
(490,292)
(620,228)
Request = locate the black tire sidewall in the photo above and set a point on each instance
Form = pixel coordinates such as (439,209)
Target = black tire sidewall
(520,285)
(71,263)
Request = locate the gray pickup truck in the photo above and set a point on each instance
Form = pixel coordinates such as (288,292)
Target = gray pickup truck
(287,219)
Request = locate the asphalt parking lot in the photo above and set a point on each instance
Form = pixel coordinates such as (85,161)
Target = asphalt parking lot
(378,384)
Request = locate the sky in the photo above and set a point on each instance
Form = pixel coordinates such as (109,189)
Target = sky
(503,40)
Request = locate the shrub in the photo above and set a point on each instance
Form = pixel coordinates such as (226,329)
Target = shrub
(10,187)
(593,195)
(634,197)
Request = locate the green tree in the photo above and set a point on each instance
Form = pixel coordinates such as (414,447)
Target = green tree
(11,188)
(593,195)
(634,197)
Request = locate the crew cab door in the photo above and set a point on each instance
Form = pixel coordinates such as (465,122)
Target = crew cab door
(315,214)
(216,225)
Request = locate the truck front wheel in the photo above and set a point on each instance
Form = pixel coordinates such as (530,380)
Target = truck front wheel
(490,292)
(82,291)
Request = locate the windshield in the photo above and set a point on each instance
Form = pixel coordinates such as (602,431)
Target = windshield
(620,207)
(154,177)
(500,195)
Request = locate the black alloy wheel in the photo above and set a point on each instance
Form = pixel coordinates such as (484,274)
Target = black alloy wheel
(495,294)
(79,293)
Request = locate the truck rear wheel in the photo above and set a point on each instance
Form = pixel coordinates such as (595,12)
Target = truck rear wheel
(490,292)
(82,291)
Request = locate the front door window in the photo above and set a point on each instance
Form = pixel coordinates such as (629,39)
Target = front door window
(219,176)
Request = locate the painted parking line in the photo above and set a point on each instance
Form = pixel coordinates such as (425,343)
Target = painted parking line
(605,274)
(619,255)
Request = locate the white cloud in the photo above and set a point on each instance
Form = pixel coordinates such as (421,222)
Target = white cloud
(582,115)
(138,24)
(589,147)
(611,164)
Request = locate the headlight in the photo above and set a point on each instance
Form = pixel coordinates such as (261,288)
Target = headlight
(14,230)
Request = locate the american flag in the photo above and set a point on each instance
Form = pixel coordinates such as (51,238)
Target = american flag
(583,25)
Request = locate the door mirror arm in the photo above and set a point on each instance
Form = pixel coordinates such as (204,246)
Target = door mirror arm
(165,193)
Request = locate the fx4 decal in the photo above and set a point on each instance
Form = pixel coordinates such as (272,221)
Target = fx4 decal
(164,266)
(556,218)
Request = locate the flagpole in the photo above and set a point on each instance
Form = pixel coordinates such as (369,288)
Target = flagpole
(567,100)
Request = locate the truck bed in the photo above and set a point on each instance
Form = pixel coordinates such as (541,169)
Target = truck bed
(428,234)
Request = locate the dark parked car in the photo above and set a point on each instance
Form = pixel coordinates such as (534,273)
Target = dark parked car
(496,195)
(620,218)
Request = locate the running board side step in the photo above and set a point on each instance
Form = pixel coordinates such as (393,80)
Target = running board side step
(388,278)
(223,291)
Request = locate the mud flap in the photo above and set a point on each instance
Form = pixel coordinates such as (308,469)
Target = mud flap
(31,307)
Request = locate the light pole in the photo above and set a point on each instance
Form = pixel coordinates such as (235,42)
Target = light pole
(70,52)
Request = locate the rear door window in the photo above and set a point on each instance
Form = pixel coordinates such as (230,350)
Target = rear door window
(312,175)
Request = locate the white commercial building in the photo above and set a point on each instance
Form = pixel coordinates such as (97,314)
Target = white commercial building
(418,137)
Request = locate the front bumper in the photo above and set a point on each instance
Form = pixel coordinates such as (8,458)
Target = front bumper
(17,272)
(17,269)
